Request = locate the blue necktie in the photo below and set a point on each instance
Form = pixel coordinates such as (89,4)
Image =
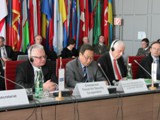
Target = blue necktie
(85,74)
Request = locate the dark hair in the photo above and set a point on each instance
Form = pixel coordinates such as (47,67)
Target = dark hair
(158,40)
(1,37)
(155,42)
(71,42)
(145,40)
(86,47)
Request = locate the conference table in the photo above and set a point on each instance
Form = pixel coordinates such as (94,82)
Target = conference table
(117,106)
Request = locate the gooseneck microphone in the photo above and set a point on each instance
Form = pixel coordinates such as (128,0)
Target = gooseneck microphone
(12,81)
(142,67)
(109,83)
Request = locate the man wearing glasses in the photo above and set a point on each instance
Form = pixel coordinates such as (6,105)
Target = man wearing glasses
(83,68)
(154,56)
(26,71)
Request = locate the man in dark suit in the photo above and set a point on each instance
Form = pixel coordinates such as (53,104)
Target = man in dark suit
(25,72)
(112,62)
(144,50)
(146,63)
(6,52)
(83,68)
(100,48)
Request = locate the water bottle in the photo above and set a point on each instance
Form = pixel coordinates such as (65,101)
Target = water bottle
(38,84)
(129,73)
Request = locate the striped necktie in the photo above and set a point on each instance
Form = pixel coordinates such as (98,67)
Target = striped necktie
(117,70)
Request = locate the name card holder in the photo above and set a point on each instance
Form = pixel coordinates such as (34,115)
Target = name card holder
(13,97)
(131,86)
(90,89)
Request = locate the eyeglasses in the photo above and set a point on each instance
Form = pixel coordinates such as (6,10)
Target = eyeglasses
(40,57)
(87,57)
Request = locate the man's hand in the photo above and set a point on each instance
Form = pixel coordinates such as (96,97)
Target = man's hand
(49,85)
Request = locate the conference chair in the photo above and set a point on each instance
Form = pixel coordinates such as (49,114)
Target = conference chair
(10,73)
(64,62)
(131,59)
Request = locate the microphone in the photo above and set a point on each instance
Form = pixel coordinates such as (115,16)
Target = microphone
(12,81)
(104,74)
(28,91)
(142,68)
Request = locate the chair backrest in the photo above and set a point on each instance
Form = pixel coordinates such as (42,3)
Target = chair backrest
(64,62)
(135,65)
(22,57)
(10,73)
(96,57)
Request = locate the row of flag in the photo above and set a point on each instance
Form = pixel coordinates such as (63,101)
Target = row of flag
(56,21)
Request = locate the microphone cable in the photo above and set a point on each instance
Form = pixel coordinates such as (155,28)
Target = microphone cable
(120,106)
(158,112)
(76,107)
(34,111)
(41,108)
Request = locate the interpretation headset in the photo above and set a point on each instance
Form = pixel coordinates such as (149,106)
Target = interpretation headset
(113,43)
(29,54)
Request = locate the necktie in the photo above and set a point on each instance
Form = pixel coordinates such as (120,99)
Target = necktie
(116,70)
(158,69)
(85,74)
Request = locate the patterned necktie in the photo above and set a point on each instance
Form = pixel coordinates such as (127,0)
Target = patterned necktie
(85,74)
(116,70)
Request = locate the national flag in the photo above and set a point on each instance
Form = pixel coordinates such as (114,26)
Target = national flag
(39,16)
(3,14)
(62,25)
(91,21)
(55,26)
(110,21)
(16,24)
(78,23)
(31,22)
(97,21)
(105,21)
(9,24)
(25,42)
(82,21)
(46,17)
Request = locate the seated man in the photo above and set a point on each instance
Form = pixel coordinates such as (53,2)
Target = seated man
(113,63)
(83,68)
(144,50)
(146,63)
(25,72)
(100,48)
(6,52)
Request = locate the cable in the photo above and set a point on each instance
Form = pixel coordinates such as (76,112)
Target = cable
(158,112)
(41,108)
(77,110)
(34,110)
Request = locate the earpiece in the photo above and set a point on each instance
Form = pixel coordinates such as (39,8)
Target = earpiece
(31,59)
(113,43)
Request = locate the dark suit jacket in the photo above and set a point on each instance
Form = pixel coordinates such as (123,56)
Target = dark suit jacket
(146,63)
(74,73)
(106,64)
(9,51)
(142,52)
(25,74)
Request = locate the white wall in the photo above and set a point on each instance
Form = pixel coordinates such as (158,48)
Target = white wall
(137,15)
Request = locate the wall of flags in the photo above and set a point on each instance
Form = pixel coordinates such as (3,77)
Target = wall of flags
(56,21)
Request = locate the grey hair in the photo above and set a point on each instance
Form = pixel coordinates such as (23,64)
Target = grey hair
(34,46)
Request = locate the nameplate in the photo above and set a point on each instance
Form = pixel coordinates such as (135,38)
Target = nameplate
(90,89)
(13,97)
(61,82)
(131,86)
